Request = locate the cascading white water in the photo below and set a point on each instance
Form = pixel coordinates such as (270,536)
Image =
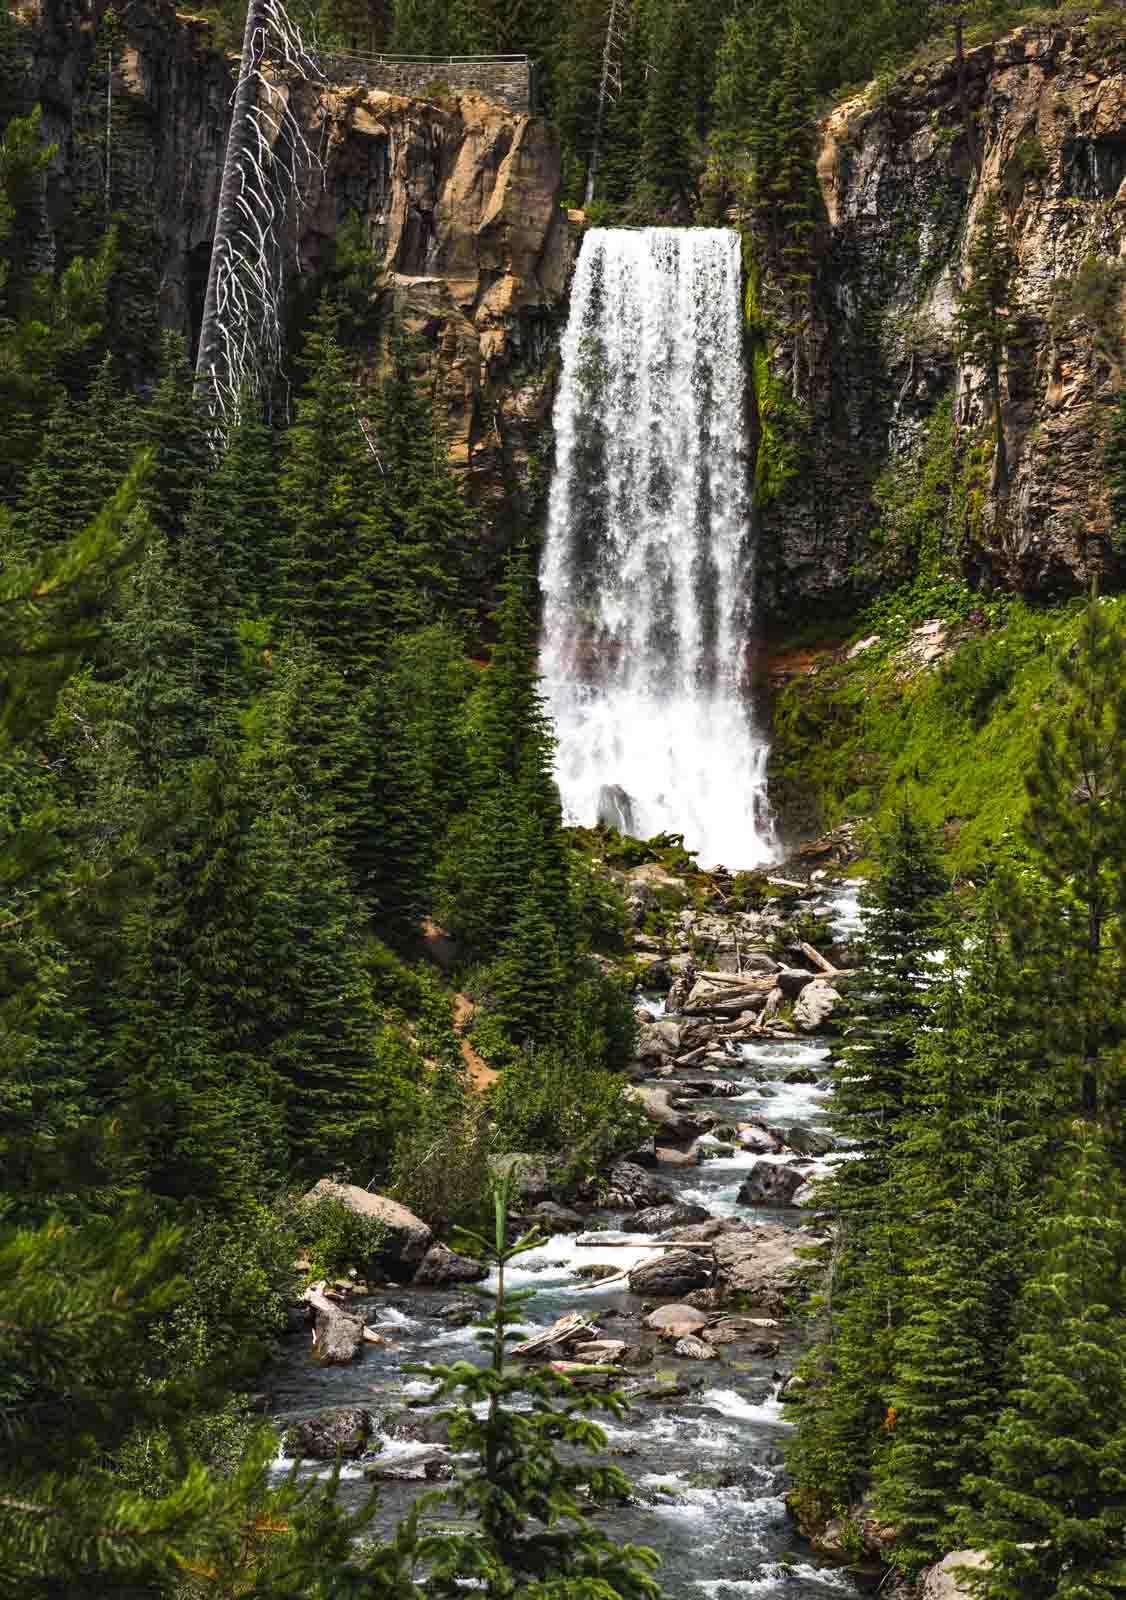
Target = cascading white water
(647,568)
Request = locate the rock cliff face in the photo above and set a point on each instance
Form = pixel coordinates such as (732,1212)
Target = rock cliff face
(876,354)
(458,197)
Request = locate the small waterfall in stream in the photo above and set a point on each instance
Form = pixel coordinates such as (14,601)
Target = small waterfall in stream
(648,563)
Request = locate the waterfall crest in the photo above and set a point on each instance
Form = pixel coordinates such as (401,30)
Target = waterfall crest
(647,567)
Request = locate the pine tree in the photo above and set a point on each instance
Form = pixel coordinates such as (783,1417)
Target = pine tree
(1053,1502)
(985,316)
(1065,915)
(666,167)
(529,971)
(874,1081)
(341,582)
(173,426)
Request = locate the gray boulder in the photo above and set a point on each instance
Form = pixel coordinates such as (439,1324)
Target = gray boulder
(657,1041)
(792,981)
(658,1219)
(658,1108)
(695,1349)
(675,1316)
(407,1237)
(347,1431)
(772,1183)
(630,1186)
(441,1267)
(816,1005)
(337,1336)
(675,1273)
(807,1141)
(551,1217)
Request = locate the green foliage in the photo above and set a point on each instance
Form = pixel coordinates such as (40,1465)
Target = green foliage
(913,501)
(1052,1498)
(333,1237)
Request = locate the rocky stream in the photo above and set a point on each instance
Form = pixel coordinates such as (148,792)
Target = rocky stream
(700,1340)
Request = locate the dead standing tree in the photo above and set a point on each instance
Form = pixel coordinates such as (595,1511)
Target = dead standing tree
(267,159)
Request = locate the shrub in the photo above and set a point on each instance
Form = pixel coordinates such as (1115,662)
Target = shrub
(334,1237)
(546,1103)
(442,1175)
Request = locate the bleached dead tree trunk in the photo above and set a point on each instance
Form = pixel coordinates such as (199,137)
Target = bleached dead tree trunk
(267,156)
(609,87)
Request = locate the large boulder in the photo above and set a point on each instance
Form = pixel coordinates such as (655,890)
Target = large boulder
(441,1267)
(671,1124)
(346,1431)
(760,1263)
(815,1005)
(550,1217)
(630,1186)
(406,1237)
(793,981)
(772,1183)
(338,1336)
(686,1318)
(678,1214)
(945,1582)
(657,1041)
(807,1141)
(675,1273)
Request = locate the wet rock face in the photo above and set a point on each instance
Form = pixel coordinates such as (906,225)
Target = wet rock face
(320,1437)
(675,1273)
(459,201)
(878,353)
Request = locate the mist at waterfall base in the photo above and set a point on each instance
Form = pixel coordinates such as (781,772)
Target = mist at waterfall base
(648,563)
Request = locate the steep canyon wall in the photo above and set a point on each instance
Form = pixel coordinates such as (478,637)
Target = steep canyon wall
(458,197)
(875,353)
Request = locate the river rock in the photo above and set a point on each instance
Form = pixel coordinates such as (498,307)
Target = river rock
(407,1237)
(816,1005)
(695,1349)
(943,1582)
(801,1075)
(442,1266)
(758,1140)
(346,1431)
(657,1041)
(759,1262)
(792,981)
(553,1218)
(807,1141)
(338,1337)
(659,1109)
(674,1273)
(772,1183)
(678,1214)
(630,1185)
(427,1462)
(668,1156)
(416,1427)
(675,1316)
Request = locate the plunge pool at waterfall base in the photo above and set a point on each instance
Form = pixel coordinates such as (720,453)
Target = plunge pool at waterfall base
(706,1470)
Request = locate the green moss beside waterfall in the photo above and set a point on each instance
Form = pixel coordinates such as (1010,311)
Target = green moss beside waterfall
(959,734)
(780,422)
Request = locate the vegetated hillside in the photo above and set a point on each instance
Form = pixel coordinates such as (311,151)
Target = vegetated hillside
(943,704)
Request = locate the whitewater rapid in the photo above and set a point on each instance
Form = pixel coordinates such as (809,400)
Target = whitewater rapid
(647,571)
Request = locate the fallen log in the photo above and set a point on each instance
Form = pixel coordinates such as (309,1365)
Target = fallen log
(572,1325)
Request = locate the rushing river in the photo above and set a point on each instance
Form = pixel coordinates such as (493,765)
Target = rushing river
(706,1469)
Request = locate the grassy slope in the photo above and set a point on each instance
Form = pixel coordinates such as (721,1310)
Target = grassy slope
(957,737)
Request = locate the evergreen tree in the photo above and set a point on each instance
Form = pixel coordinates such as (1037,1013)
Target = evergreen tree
(342,588)
(985,320)
(173,426)
(1065,915)
(1053,1502)
(666,166)
(874,1080)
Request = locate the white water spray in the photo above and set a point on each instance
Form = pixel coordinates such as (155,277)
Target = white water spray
(647,568)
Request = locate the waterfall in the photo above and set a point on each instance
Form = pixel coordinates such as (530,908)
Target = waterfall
(647,567)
